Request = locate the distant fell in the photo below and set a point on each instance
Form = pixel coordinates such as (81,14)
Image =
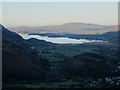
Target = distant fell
(67,28)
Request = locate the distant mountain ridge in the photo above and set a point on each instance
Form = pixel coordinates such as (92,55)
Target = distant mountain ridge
(67,28)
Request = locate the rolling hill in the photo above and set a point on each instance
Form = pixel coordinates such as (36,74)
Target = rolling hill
(36,62)
(66,28)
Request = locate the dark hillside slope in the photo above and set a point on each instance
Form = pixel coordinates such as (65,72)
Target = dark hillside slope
(87,65)
(17,63)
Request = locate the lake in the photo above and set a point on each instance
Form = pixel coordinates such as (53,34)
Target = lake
(59,40)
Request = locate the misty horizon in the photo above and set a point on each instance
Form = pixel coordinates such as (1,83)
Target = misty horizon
(46,13)
(59,24)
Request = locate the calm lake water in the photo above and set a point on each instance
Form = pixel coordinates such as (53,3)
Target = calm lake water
(59,40)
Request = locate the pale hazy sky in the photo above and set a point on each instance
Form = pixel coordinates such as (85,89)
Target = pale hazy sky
(52,13)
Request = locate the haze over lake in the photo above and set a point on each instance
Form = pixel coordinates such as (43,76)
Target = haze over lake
(59,40)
